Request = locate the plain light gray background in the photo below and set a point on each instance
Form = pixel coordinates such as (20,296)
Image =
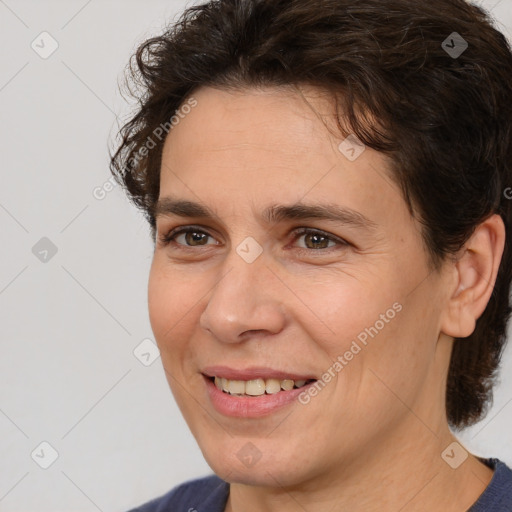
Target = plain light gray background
(71,321)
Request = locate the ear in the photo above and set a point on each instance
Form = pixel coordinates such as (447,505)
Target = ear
(474,269)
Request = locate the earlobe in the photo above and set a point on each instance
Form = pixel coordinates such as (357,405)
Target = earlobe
(474,270)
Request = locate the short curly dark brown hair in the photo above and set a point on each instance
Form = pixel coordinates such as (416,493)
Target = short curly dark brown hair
(444,119)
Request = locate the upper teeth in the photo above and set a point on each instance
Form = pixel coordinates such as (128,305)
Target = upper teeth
(256,387)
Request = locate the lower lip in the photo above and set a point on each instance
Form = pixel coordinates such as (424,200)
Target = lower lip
(250,407)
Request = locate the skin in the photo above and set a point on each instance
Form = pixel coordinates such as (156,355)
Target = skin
(372,438)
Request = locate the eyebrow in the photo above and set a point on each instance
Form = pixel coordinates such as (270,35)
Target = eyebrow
(274,214)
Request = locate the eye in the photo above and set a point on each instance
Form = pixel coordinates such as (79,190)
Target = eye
(188,237)
(316,240)
(304,239)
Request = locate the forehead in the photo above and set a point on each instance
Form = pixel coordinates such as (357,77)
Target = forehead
(274,120)
(273,145)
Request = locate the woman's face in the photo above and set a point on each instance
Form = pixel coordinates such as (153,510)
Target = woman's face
(300,261)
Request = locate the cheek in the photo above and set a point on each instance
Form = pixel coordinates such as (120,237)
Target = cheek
(159,295)
(346,309)
(171,301)
(370,328)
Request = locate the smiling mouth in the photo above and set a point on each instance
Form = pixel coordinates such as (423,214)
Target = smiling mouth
(257,387)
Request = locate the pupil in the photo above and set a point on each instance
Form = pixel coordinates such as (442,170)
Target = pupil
(194,238)
(316,241)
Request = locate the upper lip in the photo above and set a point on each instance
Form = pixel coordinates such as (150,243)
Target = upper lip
(253,372)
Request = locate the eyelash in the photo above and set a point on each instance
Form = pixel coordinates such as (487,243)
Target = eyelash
(170,237)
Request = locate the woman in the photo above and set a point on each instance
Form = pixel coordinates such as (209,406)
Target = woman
(325,183)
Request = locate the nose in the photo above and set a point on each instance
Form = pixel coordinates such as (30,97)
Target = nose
(244,303)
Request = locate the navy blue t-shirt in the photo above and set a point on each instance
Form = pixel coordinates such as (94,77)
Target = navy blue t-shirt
(210,494)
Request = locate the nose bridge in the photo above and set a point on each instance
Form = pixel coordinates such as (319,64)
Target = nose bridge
(242,301)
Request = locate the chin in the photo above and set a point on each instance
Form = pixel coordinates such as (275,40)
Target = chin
(268,472)
(263,476)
